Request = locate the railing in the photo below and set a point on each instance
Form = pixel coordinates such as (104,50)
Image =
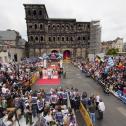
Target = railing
(85,115)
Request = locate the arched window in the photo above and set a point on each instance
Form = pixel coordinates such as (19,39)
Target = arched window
(36,38)
(67,39)
(49,26)
(29,12)
(67,27)
(42,38)
(71,38)
(62,27)
(58,38)
(35,26)
(78,38)
(54,38)
(34,12)
(49,39)
(30,26)
(31,38)
(58,26)
(79,25)
(41,26)
(54,27)
(40,12)
(62,38)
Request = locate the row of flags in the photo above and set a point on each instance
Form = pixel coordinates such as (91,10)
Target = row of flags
(109,63)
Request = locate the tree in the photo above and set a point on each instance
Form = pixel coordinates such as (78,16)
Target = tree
(112,51)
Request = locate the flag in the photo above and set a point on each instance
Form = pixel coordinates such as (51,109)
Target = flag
(106,69)
(110,62)
(98,59)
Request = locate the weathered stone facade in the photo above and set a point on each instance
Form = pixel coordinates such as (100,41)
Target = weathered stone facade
(116,44)
(12,46)
(46,34)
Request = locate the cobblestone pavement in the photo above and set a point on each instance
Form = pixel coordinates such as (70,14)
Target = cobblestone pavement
(115,114)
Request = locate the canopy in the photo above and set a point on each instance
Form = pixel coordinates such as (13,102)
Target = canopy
(53,56)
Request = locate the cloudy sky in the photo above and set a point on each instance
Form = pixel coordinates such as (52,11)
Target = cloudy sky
(111,13)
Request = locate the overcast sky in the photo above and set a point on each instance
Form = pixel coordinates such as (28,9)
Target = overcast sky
(111,13)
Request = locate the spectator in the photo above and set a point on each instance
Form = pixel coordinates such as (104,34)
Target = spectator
(28,115)
(92,108)
(101,109)
(97,101)
(59,116)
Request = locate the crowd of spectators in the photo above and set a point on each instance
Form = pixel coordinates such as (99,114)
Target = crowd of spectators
(56,111)
(93,103)
(14,83)
(18,100)
(112,78)
(51,109)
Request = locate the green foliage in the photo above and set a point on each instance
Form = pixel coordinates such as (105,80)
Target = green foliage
(112,51)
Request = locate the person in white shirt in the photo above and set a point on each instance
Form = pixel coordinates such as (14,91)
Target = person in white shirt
(4,89)
(48,117)
(97,98)
(49,74)
(65,110)
(101,109)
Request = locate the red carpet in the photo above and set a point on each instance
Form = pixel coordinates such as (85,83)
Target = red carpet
(48,82)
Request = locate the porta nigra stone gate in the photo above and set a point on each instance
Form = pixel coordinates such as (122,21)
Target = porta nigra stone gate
(71,38)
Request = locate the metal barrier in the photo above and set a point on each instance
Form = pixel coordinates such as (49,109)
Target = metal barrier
(85,115)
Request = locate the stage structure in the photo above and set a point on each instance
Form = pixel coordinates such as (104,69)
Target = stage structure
(51,58)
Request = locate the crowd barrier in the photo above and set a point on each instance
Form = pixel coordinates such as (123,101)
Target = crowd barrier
(85,115)
(121,96)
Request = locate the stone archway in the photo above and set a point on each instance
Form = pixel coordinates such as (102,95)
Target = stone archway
(66,54)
